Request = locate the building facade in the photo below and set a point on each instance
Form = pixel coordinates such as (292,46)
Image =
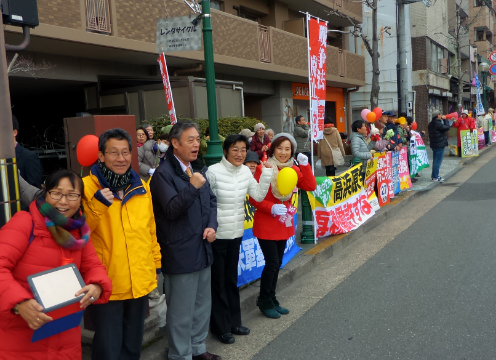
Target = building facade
(101,58)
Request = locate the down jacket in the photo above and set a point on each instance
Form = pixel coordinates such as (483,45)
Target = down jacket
(148,156)
(359,147)
(437,133)
(265,225)
(123,234)
(256,145)
(300,133)
(231,184)
(18,260)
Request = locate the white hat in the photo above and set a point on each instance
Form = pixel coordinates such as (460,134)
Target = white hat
(465,112)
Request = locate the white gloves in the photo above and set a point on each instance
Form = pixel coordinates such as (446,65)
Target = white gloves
(151,171)
(302,159)
(279,209)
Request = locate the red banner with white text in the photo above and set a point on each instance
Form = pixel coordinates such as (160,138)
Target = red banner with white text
(317,55)
(167,87)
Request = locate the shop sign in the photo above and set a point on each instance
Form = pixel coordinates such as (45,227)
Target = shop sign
(178,34)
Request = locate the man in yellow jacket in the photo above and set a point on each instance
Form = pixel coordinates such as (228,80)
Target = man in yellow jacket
(119,211)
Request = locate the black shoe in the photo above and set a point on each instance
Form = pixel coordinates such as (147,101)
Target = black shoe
(240,330)
(226,338)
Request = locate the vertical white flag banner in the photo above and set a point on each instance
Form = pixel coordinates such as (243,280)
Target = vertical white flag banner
(317,70)
(167,87)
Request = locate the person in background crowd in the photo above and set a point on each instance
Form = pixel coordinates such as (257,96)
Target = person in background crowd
(53,231)
(248,133)
(270,134)
(28,163)
(331,140)
(273,234)
(252,161)
(163,145)
(149,130)
(464,122)
(119,211)
(204,145)
(395,139)
(359,147)
(401,125)
(438,127)
(485,121)
(230,181)
(147,158)
(382,121)
(490,112)
(186,212)
(301,135)
(260,141)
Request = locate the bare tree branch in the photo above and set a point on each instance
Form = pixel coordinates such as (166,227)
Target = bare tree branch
(22,65)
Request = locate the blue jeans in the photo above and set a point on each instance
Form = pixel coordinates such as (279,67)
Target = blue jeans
(438,154)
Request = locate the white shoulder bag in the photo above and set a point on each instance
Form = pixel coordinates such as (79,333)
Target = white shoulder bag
(337,157)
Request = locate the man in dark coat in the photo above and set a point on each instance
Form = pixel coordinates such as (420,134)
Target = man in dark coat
(186,216)
(28,163)
(438,127)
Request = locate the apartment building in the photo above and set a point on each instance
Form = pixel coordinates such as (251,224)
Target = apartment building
(388,50)
(102,59)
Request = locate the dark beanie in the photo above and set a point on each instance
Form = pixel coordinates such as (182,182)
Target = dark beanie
(252,156)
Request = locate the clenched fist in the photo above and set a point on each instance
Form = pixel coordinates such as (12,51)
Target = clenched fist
(107,194)
(197,180)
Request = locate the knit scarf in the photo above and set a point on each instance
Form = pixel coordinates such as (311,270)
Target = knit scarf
(276,165)
(116,182)
(58,225)
(138,144)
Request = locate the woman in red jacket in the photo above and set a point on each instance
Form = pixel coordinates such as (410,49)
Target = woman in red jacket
(260,141)
(464,122)
(52,234)
(273,234)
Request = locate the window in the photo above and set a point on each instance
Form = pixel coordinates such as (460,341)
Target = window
(217,5)
(98,16)
(440,59)
(248,16)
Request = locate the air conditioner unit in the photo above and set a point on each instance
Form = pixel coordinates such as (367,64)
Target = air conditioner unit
(20,12)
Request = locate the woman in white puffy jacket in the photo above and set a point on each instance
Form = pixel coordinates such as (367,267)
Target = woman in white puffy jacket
(231,181)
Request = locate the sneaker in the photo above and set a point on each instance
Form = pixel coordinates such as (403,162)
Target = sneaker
(440,179)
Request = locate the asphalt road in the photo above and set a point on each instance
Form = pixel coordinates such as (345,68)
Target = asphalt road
(430,293)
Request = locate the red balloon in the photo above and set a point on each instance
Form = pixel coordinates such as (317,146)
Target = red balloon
(87,150)
(378,112)
(414,126)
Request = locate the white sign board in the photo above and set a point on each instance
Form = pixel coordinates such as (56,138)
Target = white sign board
(178,34)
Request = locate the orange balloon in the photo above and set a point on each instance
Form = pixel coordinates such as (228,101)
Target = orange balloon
(371,117)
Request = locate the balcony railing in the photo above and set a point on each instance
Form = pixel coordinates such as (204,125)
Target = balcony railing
(264,41)
(98,16)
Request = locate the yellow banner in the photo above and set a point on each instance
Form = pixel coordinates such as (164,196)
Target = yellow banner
(343,187)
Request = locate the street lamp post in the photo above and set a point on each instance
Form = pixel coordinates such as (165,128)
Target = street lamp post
(483,67)
(214,148)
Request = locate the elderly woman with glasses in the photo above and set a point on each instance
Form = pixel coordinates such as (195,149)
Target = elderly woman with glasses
(53,233)
(231,181)
(149,153)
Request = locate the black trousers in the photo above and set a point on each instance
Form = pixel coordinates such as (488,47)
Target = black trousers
(119,329)
(486,137)
(273,252)
(330,170)
(226,309)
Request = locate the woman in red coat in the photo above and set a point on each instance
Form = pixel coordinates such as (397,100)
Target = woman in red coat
(52,234)
(273,234)
(260,141)
(464,122)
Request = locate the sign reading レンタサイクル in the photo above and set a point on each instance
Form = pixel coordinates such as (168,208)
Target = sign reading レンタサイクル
(178,34)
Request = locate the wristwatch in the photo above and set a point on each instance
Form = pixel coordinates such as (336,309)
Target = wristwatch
(15,310)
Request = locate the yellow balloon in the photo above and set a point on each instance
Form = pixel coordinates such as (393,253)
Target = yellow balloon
(287,180)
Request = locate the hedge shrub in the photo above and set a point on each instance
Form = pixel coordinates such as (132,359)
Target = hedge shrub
(227,125)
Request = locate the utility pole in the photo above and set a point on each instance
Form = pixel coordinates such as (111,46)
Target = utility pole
(459,59)
(374,91)
(9,188)
(214,148)
(402,73)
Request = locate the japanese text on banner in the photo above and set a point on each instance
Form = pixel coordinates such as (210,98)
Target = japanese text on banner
(317,74)
(382,178)
(167,87)
(418,155)
(404,171)
(347,204)
(470,143)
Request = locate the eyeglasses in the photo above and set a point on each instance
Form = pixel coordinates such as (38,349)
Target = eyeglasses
(237,151)
(142,135)
(55,195)
(115,154)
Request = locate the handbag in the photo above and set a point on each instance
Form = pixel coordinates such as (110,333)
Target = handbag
(337,157)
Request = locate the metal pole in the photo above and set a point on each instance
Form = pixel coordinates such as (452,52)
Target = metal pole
(9,189)
(214,149)
(404,91)
(484,79)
